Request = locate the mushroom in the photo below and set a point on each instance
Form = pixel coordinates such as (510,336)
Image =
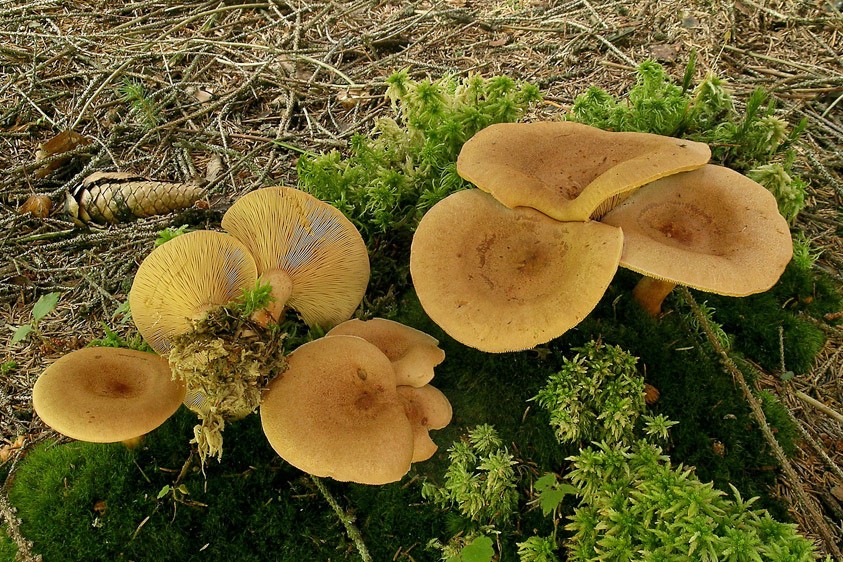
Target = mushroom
(313,257)
(413,353)
(501,279)
(711,229)
(185,277)
(570,171)
(105,395)
(426,408)
(336,412)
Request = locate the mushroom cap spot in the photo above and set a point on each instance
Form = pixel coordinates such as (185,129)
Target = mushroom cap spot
(426,408)
(501,279)
(105,395)
(712,229)
(313,242)
(184,277)
(413,353)
(335,412)
(569,170)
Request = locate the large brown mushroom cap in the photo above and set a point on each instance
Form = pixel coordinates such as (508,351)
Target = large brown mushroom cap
(292,234)
(184,277)
(568,170)
(413,353)
(712,229)
(336,412)
(426,408)
(105,395)
(501,279)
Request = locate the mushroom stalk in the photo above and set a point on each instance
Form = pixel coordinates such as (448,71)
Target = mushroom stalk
(133,442)
(282,288)
(651,292)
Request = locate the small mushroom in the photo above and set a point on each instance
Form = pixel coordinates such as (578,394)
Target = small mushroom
(308,251)
(711,229)
(501,279)
(185,277)
(336,412)
(426,408)
(105,395)
(570,171)
(413,353)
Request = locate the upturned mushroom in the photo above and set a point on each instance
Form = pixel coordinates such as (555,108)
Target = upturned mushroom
(570,171)
(501,279)
(106,395)
(712,229)
(308,251)
(336,412)
(185,277)
(413,353)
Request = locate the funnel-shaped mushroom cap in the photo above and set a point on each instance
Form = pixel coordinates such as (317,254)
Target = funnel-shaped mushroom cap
(426,408)
(185,277)
(413,353)
(106,394)
(312,242)
(501,279)
(712,229)
(568,170)
(336,412)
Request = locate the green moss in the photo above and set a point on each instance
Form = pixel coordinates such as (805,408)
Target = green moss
(781,422)
(8,549)
(252,507)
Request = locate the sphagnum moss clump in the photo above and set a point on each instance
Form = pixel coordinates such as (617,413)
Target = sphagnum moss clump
(225,361)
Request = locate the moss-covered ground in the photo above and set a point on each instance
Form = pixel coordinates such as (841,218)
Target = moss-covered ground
(83,501)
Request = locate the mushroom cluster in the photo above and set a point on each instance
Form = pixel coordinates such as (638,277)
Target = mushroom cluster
(561,205)
(367,421)
(363,389)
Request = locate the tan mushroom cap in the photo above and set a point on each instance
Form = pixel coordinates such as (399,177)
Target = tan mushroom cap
(336,412)
(501,279)
(426,408)
(413,353)
(105,395)
(567,170)
(712,229)
(308,247)
(184,277)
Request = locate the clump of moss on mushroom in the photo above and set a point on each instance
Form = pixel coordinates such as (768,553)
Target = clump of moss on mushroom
(225,360)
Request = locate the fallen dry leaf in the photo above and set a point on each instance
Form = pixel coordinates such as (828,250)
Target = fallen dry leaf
(65,141)
(39,205)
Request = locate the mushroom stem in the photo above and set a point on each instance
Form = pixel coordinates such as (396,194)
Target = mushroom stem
(651,292)
(282,288)
(133,442)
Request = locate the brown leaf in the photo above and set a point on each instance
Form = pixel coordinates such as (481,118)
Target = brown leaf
(101,507)
(65,141)
(500,41)
(664,52)
(651,394)
(39,205)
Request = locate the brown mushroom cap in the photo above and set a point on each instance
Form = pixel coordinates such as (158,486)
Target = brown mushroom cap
(336,412)
(292,234)
(426,408)
(501,279)
(569,170)
(413,353)
(105,395)
(712,229)
(184,277)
